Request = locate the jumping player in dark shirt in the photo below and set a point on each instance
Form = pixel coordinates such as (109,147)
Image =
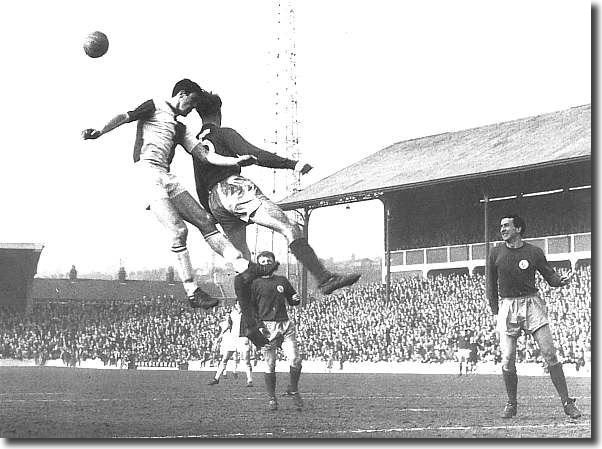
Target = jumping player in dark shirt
(235,201)
(511,279)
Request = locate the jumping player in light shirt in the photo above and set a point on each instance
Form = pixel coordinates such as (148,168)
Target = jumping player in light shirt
(158,133)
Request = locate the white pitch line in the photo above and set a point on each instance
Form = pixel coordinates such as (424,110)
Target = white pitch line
(370,431)
(419,396)
(29,393)
(87,401)
(4,401)
(254,398)
(416,409)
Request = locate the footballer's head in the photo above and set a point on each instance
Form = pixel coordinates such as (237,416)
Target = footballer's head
(186,94)
(267,260)
(209,106)
(512,226)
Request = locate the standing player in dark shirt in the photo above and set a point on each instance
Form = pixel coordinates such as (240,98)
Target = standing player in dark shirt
(511,269)
(268,297)
(463,352)
(235,201)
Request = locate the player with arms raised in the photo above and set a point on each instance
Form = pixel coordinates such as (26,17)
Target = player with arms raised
(236,201)
(158,133)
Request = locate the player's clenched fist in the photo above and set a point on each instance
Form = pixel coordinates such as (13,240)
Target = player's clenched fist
(90,133)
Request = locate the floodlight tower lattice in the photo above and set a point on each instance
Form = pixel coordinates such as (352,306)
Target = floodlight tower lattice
(285,135)
(284,139)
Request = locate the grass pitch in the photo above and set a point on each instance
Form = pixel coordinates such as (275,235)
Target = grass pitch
(82,403)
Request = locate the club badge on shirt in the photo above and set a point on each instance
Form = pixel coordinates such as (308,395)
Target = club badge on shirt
(523,264)
(280,289)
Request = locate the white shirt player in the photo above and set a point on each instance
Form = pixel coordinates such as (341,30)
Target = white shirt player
(231,340)
(157,133)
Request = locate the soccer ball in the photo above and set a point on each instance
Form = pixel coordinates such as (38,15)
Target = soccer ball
(96,44)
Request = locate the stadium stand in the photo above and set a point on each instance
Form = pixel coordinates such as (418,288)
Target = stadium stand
(102,290)
(421,322)
(409,318)
(18,265)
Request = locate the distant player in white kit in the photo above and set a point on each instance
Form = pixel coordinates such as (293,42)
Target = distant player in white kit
(231,344)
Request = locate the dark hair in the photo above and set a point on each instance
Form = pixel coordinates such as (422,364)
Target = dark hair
(518,222)
(266,254)
(187,86)
(209,104)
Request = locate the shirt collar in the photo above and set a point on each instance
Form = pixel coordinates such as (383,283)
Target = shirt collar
(171,108)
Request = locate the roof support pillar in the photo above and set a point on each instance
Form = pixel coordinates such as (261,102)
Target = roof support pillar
(306,213)
(486,232)
(387,258)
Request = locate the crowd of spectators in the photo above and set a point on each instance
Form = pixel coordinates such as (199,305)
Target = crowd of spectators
(424,320)
(152,331)
(421,322)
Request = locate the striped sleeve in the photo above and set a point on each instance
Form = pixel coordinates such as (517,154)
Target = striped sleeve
(142,112)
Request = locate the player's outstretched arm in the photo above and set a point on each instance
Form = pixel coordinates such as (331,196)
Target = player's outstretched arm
(242,161)
(264,158)
(145,110)
(203,150)
(115,122)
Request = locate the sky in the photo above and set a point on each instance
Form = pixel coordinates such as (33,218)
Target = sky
(368,75)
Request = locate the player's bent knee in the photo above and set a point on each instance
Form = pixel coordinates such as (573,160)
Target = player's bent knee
(180,235)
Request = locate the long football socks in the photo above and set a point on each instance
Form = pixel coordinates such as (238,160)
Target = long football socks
(185,269)
(295,373)
(306,255)
(270,384)
(511,381)
(559,381)
(249,372)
